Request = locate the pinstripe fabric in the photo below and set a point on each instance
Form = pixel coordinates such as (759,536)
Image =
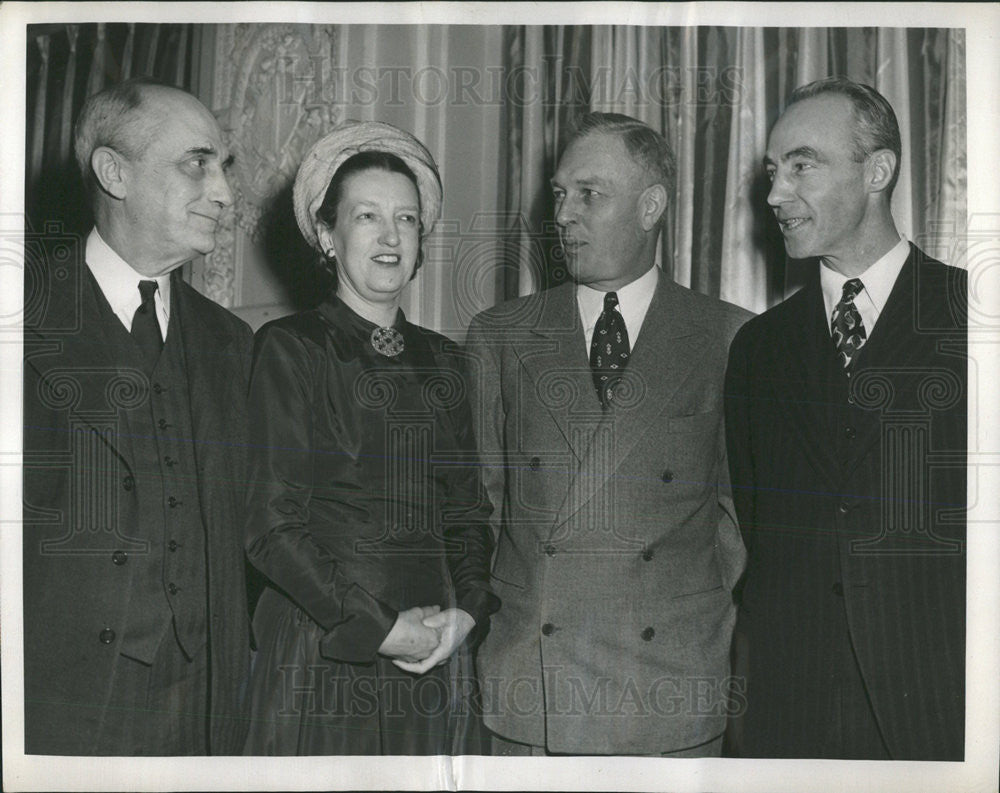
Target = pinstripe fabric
(157,709)
(851,497)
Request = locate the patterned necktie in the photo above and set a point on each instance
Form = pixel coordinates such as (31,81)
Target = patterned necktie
(609,350)
(848,330)
(145,328)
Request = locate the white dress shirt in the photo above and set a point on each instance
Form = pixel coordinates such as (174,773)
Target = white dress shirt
(633,303)
(120,284)
(878,281)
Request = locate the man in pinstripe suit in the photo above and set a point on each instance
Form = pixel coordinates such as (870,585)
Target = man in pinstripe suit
(846,429)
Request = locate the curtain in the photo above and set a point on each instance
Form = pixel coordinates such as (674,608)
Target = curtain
(714,92)
(495,106)
(65,65)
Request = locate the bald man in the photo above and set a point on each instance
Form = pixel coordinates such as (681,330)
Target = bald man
(135,624)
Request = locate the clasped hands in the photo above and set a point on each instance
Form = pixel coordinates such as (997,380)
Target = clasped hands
(425,636)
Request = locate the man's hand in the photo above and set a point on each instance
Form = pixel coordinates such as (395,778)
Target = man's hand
(410,639)
(454,625)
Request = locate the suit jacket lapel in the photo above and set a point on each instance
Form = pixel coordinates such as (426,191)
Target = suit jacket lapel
(64,322)
(665,355)
(807,377)
(557,365)
(66,338)
(899,314)
(211,395)
(889,347)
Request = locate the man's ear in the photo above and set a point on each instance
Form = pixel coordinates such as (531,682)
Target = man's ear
(652,204)
(109,169)
(881,166)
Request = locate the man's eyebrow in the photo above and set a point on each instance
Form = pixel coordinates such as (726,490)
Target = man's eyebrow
(801,151)
(584,182)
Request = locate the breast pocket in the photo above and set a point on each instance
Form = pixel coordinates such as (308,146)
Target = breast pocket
(708,422)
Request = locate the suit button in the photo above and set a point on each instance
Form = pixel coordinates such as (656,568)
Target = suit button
(174,502)
(170,461)
(550,549)
(106,636)
(667,476)
(648,634)
(172,588)
(173,545)
(128,482)
(850,432)
(548,629)
(535,463)
(850,399)
(162,424)
(157,388)
(647,555)
(843,507)
(119,558)
(837,589)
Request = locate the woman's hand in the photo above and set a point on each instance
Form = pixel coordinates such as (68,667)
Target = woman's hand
(454,625)
(411,639)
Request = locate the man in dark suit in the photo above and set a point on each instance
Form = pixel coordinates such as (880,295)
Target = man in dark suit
(846,426)
(600,411)
(135,623)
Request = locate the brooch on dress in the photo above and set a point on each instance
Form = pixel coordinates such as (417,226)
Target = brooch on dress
(387,341)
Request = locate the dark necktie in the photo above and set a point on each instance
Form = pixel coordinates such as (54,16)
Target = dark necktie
(145,328)
(849,334)
(609,350)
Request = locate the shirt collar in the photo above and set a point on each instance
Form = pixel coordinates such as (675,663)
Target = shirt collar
(633,301)
(119,282)
(878,279)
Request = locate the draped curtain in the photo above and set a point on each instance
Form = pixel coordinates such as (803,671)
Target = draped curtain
(714,92)
(65,65)
(495,105)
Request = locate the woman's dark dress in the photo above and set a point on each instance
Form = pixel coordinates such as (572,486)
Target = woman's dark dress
(365,500)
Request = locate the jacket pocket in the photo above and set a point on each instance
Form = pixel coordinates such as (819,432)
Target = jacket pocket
(697,422)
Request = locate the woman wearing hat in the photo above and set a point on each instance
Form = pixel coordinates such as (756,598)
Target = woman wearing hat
(367,515)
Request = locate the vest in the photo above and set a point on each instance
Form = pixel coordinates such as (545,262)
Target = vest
(168,586)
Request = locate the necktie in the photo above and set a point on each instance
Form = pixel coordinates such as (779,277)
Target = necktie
(849,333)
(145,328)
(609,350)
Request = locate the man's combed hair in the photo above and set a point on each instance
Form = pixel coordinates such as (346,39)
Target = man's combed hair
(109,118)
(644,144)
(875,123)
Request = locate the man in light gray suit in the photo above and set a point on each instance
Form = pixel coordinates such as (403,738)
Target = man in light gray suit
(601,433)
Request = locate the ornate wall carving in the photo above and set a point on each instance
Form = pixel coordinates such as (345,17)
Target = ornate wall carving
(265,88)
